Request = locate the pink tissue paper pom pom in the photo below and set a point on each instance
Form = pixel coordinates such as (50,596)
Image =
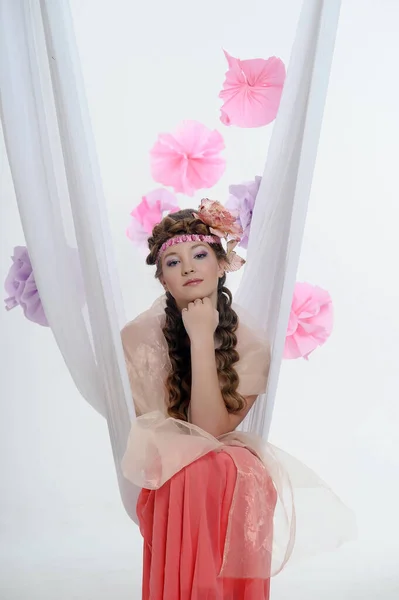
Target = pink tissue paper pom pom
(149,213)
(252,91)
(310,323)
(188,160)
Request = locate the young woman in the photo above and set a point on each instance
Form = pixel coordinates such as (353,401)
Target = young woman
(209,493)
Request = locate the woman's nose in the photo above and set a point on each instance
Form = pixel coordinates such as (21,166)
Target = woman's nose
(187,269)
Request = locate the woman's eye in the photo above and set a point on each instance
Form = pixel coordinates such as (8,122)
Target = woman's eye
(201,255)
(171,263)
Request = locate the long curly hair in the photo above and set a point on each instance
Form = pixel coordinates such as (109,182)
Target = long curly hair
(178,383)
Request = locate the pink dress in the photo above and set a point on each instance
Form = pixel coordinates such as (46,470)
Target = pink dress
(217,515)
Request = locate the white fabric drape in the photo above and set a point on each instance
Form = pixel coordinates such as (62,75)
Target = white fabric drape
(60,199)
(61,203)
(278,223)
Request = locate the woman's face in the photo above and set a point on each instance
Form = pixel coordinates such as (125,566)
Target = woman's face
(190,270)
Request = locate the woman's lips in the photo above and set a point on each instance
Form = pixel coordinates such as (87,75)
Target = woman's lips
(193,282)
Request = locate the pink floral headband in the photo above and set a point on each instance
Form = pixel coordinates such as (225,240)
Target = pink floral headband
(222,225)
(193,237)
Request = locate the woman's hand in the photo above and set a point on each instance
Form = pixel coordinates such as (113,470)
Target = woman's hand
(200,319)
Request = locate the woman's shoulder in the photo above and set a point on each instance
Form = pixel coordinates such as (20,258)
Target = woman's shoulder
(254,359)
(143,341)
(147,359)
(146,326)
(251,340)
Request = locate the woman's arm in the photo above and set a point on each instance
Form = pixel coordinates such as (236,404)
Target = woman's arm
(207,407)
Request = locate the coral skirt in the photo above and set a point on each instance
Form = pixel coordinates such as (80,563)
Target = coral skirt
(185,525)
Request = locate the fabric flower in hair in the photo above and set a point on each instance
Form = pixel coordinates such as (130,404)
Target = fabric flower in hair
(241,202)
(252,91)
(310,323)
(222,224)
(21,287)
(220,220)
(188,160)
(149,213)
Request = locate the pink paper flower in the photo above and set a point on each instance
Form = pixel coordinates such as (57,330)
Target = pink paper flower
(189,160)
(220,220)
(311,321)
(149,213)
(252,91)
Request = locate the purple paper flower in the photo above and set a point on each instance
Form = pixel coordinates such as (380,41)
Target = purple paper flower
(241,203)
(21,286)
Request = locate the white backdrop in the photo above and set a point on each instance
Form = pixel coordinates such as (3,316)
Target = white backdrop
(64,533)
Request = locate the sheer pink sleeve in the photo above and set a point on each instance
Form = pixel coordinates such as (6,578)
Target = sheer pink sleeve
(147,361)
(253,365)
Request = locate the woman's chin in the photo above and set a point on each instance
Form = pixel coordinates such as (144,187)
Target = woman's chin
(192,292)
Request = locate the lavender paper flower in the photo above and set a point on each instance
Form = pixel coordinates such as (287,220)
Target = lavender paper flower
(241,203)
(21,286)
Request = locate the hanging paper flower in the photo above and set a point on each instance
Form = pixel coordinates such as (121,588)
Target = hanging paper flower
(241,203)
(189,160)
(310,323)
(21,286)
(148,213)
(252,91)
